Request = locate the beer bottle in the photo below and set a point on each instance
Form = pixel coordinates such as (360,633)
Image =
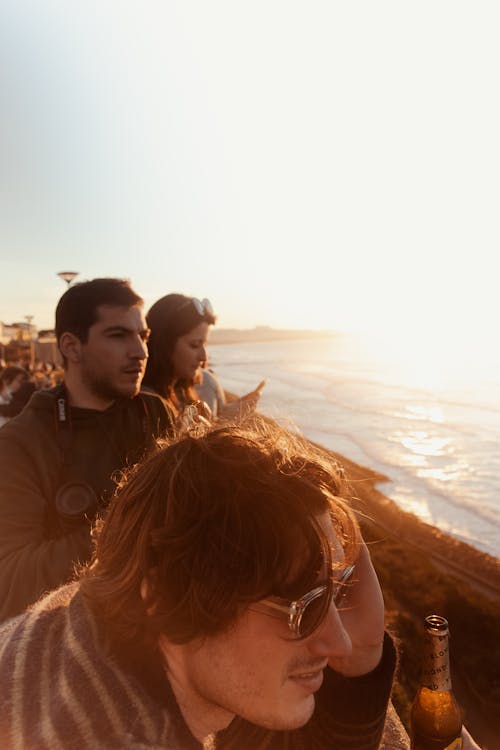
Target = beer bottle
(436,722)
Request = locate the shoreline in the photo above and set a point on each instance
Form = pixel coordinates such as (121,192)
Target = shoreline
(424,570)
(220,336)
(445,548)
(455,554)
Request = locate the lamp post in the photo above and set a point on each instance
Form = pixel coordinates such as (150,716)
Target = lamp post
(68,276)
(29,318)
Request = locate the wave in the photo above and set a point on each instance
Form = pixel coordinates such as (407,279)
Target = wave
(402,412)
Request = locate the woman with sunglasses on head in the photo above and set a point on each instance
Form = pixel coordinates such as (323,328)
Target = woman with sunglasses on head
(177,352)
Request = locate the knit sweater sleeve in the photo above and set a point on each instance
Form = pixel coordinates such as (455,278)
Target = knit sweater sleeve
(349,715)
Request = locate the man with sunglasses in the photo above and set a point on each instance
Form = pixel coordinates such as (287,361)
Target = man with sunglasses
(231,603)
(59,456)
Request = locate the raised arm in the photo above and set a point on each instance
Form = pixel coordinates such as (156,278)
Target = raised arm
(362,613)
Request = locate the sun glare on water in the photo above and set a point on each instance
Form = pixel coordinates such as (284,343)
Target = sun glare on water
(433,360)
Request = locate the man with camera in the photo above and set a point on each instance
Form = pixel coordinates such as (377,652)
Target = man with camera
(59,458)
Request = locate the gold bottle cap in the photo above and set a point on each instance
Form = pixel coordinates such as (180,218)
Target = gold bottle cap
(436,666)
(436,624)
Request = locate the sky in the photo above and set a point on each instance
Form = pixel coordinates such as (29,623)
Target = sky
(304,164)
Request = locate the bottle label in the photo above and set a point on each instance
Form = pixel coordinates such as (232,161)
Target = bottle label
(425,742)
(436,666)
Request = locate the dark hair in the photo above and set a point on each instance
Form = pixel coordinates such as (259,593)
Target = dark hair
(214,522)
(169,318)
(10,373)
(76,311)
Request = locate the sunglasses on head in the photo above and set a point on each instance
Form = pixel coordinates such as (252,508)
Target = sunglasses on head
(202,306)
(304,615)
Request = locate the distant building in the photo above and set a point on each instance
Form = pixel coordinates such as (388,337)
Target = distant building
(13,332)
(22,342)
(16,341)
(46,347)
(17,332)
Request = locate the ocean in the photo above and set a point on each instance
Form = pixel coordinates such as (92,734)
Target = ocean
(426,417)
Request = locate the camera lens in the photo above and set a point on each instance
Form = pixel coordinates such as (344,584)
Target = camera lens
(76,501)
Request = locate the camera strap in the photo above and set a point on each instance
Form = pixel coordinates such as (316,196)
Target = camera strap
(76,500)
(64,426)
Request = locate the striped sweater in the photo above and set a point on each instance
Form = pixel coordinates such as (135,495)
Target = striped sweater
(58,691)
(61,689)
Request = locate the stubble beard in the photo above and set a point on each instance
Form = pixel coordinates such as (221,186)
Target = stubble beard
(104,387)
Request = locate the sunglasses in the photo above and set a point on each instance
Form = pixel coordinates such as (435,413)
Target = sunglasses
(304,615)
(202,306)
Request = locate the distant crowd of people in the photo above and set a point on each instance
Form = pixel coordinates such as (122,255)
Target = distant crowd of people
(18,382)
(176,571)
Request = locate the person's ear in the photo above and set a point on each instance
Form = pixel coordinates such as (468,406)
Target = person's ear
(70,347)
(144,589)
(147,590)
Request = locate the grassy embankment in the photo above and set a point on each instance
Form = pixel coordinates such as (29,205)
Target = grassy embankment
(424,571)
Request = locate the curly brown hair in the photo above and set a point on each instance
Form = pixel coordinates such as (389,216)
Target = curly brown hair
(214,522)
